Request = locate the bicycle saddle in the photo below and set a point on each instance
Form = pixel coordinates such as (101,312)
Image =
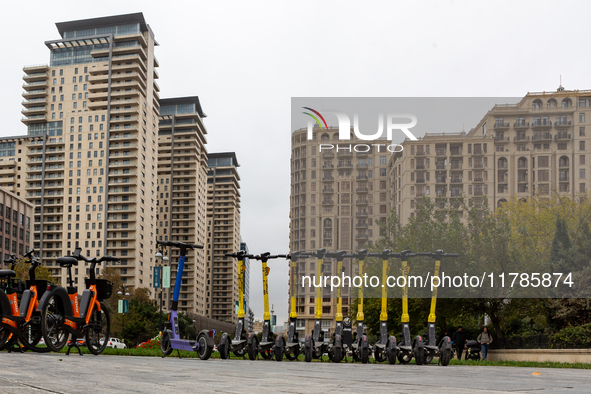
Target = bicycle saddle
(67,261)
(5,274)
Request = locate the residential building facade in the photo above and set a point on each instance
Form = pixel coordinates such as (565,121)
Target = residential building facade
(223,235)
(16,215)
(535,147)
(181,204)
(336,198)
(89,161)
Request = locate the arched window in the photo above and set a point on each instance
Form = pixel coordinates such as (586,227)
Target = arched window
(327,223)
(335,136)
(537,104)
(563,161)
(566,103)
(551,103)
(522,162)
(503,163)
(325,137)
(501,202)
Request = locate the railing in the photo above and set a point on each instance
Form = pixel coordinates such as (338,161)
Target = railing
(520,124)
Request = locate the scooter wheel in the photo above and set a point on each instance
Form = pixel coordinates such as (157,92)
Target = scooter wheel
(445,357)
(253,349)
(404,357)
(267,354)
(279,348)
(204,350)
(337,354)
(308,353)
(419,353)
(224,347)
(364,355)
(379,355)
(293,355)
(428,358)
(165,345)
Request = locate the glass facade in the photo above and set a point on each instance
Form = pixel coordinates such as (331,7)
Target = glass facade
(220,162)
(178,109)
(7,149)
(82,54)
(121,30)
(49,128)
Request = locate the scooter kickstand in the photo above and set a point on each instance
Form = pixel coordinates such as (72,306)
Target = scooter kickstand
(178,352)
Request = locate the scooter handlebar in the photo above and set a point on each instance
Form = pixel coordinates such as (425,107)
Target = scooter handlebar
(179,244)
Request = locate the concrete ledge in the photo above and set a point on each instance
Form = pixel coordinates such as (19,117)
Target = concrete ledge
(541,355)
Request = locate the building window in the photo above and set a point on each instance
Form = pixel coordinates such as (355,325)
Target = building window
(582,117)
(582,173)
(581,131)
(582,159)
(581,145)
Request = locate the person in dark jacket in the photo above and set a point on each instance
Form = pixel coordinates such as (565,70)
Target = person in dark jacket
(484,339)
(459,339)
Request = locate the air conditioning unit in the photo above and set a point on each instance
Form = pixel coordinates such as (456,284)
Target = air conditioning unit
(507,149)
(527,148)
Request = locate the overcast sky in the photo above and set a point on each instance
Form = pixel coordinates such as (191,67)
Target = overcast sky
(246,59)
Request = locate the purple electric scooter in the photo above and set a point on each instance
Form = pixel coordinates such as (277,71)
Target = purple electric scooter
(171,338)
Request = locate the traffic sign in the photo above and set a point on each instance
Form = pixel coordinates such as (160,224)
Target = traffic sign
(214,332)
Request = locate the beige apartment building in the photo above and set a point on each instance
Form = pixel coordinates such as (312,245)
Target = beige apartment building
(336,198)
(223,236)
(181,205)
(534,147)
(89,160)
(16,216)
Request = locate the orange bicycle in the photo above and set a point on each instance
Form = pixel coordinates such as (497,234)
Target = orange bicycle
(63,314)
(22,322)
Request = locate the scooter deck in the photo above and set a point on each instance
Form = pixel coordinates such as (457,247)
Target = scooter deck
(240,342)
(182,344)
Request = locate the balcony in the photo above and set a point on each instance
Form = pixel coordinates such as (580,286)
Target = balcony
(33,111)
(362,165)
(361,214)
(563,178)
(362,177)
(361,201)
(541,123)
(34,93)
(455,152)
(344,153)
(362,190)
(328,166)
(420,180)
(35,85)
(440,152)
(361,225)
(327,202)
(542,137)
(562,136)
(521,125)
(420,152)
(521,138)
(562,123)
(456,180)
(441,179)
(478,180)
(501,126)
(420,167)
(327,154)
(456,166)
(328,190)
(328,179)
(440,165)
(345,165)
(501,140)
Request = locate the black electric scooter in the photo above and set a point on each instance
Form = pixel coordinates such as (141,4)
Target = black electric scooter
(266,347)
(292,347)
(361,343)
(239,343)
(314,345)
(443,350)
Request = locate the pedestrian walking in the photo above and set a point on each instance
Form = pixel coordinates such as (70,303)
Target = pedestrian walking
(484,339)
(459,339)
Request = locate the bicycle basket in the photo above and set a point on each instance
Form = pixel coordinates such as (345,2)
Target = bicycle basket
(104,288)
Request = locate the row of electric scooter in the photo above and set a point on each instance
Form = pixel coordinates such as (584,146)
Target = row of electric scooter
(48,316)
(422,349)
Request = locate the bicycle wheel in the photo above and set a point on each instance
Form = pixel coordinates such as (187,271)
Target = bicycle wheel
(98,331)
(31,336)
(52,326)
(4,336)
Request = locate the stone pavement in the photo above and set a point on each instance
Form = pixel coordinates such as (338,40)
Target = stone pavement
(57,373)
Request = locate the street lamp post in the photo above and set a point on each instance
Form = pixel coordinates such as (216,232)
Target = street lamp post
(123,292)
